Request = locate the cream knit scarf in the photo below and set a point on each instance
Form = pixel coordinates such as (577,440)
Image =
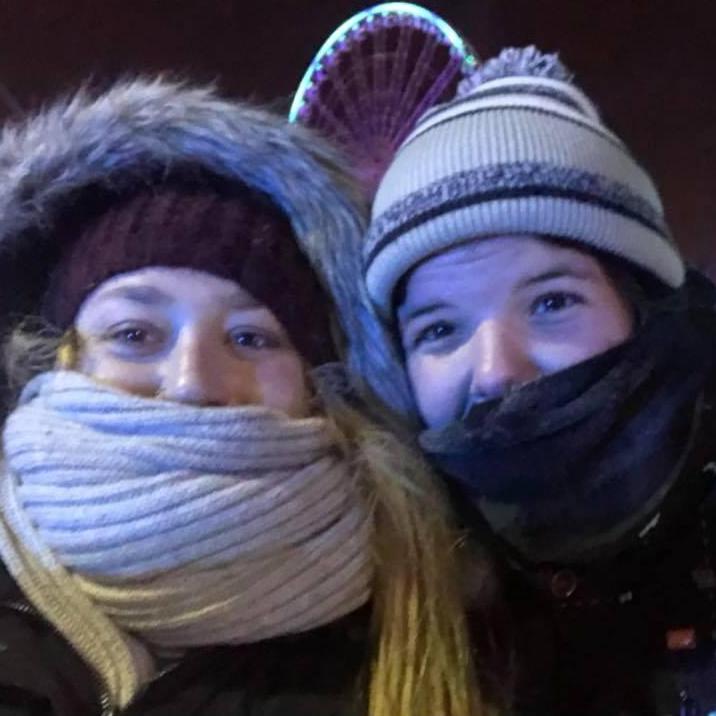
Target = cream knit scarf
(136,524)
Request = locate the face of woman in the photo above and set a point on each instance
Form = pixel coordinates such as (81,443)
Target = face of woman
(493,314)
(190,337)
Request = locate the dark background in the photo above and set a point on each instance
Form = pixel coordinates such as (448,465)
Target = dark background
(649,64)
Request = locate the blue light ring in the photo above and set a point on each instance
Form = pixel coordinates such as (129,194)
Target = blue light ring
(354,23)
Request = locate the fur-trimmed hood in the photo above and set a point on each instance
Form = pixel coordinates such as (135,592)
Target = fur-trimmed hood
(140,127)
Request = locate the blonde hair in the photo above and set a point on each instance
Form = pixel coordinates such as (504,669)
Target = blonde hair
(421,661)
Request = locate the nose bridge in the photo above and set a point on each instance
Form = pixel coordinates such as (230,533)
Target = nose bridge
(500,358)
(193,371)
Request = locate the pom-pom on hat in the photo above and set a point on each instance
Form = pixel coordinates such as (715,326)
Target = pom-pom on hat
(520,150)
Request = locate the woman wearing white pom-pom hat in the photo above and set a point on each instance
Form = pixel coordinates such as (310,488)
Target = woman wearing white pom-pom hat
(555,360)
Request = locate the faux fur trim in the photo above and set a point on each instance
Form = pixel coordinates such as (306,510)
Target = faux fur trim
(142,126)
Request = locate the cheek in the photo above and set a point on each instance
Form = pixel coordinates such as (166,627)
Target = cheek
(283,385)
(437,387)
(136,378)
(602,328)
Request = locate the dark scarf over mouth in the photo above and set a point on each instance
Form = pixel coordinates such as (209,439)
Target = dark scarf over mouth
(563,466)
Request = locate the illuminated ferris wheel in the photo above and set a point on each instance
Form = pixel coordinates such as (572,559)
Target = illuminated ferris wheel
(374,76)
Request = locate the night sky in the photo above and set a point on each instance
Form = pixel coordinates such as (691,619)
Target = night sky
(650,65)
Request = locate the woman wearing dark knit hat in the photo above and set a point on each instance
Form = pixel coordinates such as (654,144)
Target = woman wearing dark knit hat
(186,527)
(556,362)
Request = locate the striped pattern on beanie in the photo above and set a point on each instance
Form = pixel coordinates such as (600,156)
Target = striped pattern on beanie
(520,150)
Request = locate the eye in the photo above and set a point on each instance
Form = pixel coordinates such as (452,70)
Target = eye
(550,303)
(433,333)
(255,340)
(131,335)
(134,337)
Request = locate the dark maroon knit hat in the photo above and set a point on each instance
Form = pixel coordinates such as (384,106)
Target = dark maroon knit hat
(231,232)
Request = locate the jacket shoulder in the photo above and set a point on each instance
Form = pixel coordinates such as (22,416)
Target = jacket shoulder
(9,591)
(317,673)
(40,673)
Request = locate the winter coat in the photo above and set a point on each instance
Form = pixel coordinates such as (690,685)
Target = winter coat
(633,636)
(133,133)
(314,674)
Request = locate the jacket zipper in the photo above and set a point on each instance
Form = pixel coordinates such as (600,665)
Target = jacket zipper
(105,702)
(22,607)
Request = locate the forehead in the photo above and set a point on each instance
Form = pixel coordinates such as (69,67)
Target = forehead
(501,259)
(161,286)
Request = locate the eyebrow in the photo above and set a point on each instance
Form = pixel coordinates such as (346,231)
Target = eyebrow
(146,295)
(554,273)
(241,303)
(421,311)
(151,296)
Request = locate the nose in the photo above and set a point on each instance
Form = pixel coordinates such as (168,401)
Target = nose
(500,360)
(197,373)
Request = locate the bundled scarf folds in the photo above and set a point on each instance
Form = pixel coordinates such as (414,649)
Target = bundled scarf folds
(563,467)
(137,525)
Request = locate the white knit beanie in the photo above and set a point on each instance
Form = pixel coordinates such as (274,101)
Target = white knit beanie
(520,150)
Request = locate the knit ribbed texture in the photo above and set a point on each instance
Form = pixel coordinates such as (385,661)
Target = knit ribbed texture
(182,526)
(229,231)
(511,155)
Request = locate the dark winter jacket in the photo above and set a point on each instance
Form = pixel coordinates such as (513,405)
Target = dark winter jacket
(314,674)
